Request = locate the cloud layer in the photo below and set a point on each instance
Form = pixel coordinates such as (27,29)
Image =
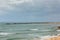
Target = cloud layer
(31,5)
(9,3)
(6,5)
(36,9)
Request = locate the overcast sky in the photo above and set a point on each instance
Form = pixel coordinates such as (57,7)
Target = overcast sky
(29,10)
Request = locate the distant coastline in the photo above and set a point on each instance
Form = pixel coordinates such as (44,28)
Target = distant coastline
(30,23)
(35,23)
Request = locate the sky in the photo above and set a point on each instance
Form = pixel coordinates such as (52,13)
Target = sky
(29,10)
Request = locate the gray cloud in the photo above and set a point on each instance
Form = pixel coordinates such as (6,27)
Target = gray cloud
(31,6)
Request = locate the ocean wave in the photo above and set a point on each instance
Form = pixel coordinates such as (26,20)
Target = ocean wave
(34,29)
(40,37)
(38,30)
(45,30)
(5,33)
(57,30)
(35,38)
(46,37)
(43,37)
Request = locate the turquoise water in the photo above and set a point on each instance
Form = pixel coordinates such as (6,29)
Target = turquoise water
(25,31)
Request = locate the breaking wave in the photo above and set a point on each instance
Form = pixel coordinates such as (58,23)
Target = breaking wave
(5,33)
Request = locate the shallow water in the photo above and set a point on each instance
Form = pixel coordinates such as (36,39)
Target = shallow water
(25,31)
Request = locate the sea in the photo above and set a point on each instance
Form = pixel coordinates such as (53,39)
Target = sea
(26,31)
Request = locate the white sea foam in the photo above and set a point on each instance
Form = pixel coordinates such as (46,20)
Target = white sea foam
(39,30)
(57,30)
(44,37)
(37,37)
(34,29)
(5,33)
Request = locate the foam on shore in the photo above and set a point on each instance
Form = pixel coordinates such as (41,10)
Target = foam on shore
(47,37)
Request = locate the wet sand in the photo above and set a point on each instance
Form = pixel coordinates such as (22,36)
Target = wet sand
(54,38)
